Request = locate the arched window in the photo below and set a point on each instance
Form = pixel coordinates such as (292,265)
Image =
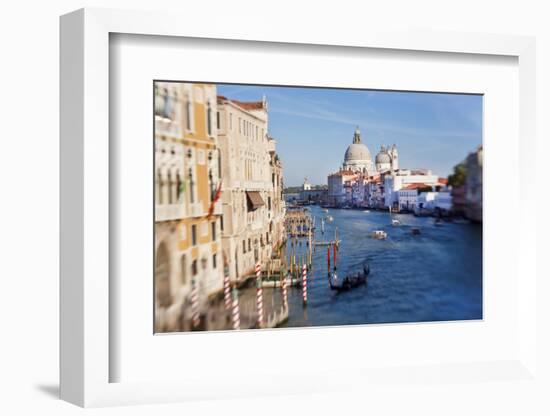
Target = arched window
(162,277)
(209,119)
(162,188)
(158,190)
(191,187)
(188,114)
(179,186)
(168,105)
(169,189)
(159,101)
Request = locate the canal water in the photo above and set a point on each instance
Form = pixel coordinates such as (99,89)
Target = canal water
(434,276)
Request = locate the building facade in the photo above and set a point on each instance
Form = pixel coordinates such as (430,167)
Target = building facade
(474,185)
(401,178)
(187,216)
(253,208)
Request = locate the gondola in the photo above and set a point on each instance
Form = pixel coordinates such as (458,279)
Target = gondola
(346,283)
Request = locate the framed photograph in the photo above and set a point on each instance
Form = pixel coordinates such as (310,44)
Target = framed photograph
(289,208)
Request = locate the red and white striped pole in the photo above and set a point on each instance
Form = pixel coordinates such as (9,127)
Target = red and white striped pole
(285,293)
(304,283)
(195,303)
(259,295)
(235,313)
(226,288)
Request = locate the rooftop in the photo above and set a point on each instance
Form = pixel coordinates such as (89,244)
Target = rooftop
(245,105)
(413,186)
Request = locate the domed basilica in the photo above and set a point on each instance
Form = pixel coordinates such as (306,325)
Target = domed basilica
(358,158)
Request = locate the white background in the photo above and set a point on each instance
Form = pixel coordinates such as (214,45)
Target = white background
(378,346)
(29,209)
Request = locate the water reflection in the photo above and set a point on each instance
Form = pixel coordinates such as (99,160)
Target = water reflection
(433,276)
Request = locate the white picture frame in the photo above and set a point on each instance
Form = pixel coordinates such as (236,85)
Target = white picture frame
(85,217)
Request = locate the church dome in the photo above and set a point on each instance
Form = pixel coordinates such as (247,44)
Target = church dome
(383,157)
(357,151)
(357,157)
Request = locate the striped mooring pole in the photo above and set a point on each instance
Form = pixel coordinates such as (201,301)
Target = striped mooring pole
(195,303)
(226,288)
(235,313)
(304,284)
(285,293)
(259,296)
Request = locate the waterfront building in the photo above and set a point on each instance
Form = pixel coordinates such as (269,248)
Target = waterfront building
(399,179)
(351,185)
(276,202)
(339,191)
(474,185)
(407,197)
(375,192)
(253,208)
(313,195)
(187,216)
(428,202)
(361,183)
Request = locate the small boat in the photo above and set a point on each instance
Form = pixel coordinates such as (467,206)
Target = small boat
(438,222)
(366,211)
(349,282)
(329,218)
(379,234)
(395,222)
(325,209)
(415,231)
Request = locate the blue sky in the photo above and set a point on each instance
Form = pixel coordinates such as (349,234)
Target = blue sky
(314,126)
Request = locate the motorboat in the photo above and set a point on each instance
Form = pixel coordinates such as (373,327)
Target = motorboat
(395,222)
(379,234)
(350,281)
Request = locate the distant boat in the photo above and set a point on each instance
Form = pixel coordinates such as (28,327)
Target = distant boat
(325,209)
(415,231)
(330,218)
(395,222)
(379,234)
(367,211)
